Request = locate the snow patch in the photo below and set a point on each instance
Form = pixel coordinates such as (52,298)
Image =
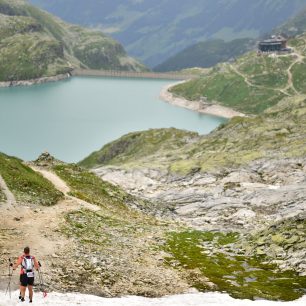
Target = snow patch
(196,299)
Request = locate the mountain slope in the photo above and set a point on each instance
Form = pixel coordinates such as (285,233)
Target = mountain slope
(35,44)
(112,240)
(253,82)
(246,177)
(207,54)
(91,225)
(155,30)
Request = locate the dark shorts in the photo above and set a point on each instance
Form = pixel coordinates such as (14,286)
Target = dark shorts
(26,281)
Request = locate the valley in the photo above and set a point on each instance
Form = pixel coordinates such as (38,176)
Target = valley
(136,200)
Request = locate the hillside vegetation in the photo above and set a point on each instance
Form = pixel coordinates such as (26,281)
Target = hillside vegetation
(207,54)
(254,82)
(27,185)
(34,43)
(139,144)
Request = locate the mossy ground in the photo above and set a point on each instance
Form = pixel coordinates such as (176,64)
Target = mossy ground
(26,184)
(239,275)
(100,230)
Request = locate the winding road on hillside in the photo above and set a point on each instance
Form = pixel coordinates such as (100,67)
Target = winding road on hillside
(299,58)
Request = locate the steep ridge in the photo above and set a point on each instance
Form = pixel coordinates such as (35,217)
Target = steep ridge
(35,44)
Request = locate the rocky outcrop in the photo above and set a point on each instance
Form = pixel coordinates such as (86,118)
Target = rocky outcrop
(283,242)
(246,198)
(249,199)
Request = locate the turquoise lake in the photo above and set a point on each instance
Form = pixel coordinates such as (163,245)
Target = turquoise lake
(72,118)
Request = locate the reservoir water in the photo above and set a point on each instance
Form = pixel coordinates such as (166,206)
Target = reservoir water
(72,118)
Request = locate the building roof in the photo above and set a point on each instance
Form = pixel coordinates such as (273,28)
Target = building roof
(274,40)
(271,42)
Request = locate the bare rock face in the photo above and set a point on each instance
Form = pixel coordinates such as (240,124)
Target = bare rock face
(241,199)
(265,201)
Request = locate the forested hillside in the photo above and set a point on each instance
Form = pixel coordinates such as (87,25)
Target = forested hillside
(155,30)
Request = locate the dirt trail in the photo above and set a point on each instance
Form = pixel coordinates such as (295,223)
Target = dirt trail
(10,199)
(60,185)
(35,226)
(299,58)
(54,179)
(246,80)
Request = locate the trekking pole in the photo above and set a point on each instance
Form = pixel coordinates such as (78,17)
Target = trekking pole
(8,288)
(41,281)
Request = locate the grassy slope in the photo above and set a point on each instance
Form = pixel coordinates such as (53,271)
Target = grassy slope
(206,54)
(136,145)
(251,84)
(88,187)
(26,184)
(33,44)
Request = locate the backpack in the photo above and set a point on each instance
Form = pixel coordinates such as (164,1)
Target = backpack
(28,263)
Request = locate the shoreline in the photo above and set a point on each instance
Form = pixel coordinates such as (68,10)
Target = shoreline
(165,95)
(31,82)
(197,106)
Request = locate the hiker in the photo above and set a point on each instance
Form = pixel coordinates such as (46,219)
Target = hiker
(28,263)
